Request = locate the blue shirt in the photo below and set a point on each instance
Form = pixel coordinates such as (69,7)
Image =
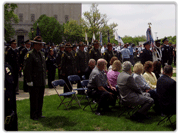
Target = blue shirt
(125,53)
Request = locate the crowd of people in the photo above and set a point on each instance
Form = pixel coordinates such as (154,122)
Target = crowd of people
(102,67)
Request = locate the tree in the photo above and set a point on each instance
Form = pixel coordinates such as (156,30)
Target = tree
(9,17)
(73,31)
(51,30)
(94,21)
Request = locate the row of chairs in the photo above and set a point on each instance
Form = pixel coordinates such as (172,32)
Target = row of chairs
(74,79)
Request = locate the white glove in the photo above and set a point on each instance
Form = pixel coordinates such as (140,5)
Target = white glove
(165,64)
(30,84)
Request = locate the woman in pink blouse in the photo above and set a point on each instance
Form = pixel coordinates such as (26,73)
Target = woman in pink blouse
(113,74)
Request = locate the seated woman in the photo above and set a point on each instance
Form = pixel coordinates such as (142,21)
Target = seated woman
(113,74)
(139,79)
(111,62)
(157,68)
(149,76)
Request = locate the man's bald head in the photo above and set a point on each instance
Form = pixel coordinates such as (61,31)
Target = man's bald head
(101,63)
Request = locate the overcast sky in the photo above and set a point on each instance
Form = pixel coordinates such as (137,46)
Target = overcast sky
(133,19)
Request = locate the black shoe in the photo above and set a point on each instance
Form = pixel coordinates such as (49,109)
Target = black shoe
(137,117)
(17,93)
(35,119)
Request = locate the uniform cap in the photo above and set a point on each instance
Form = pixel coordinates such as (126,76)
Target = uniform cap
(146,43)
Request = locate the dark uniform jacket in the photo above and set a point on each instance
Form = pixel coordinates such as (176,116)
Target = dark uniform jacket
(50,63)
(165,54)
(58,58)
(82,59)
(95,54)
(166,90)
(146,55)
(68,64)
(12,57)
(22,55)
(35,68)
(108,55)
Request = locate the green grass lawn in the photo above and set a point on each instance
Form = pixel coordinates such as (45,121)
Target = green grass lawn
(75,119)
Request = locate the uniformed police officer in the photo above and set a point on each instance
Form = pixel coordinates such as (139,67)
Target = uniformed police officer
(158,51)
(95,52)
(51,67)
(58,59)
(108,54)
(146,54)
(170,54)
(82,59)
(12,58)
(165,52)
(10,101)
(23,52)
(35,73)
(68,65)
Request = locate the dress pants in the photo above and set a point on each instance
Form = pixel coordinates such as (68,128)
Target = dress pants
(36,101)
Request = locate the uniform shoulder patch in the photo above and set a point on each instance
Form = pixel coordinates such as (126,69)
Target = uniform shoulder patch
(62,55)
(89,51)
(27,55)
(104,53)
(75,54)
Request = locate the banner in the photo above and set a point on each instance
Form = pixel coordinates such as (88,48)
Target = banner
(118,38)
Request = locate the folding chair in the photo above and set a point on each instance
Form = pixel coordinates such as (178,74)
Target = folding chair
(167,118)
(62,83)
(74,79)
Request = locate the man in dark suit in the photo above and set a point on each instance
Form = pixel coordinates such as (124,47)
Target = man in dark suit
(166,89)
(165,52)
(35,74)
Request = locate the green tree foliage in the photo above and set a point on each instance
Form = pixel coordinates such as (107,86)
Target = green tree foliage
(94,21)
(51,30)
(9,17)
(73,31)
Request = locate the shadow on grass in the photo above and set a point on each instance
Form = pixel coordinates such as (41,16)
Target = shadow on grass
(54,122)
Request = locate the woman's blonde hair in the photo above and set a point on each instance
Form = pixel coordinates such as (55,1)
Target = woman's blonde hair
(138,68)
(116,66)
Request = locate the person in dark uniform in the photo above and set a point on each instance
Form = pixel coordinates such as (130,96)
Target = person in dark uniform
(47,49)
(22,55)
(146,54)
(74,47)
(35,74)
(58,59)
(170,54)
(95,53)
(10,100)
(108,54)
(19,49)
(12,58)
(51,67)
(68,65)
(82,59)
(174,54)
(165,52)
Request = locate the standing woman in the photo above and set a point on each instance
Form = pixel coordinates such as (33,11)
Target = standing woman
(51,67)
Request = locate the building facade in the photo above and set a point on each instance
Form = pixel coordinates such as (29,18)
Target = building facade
(28,13)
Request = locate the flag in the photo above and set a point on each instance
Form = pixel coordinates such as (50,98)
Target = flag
(86,38)
(108,37)
(93,38)
(118,38)
(100,39)
(149,37)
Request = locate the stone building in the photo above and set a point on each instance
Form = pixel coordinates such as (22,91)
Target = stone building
(28,13)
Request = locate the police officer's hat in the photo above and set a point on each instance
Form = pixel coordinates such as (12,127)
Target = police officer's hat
(27,42)
(38,40)
(74,45)
(165,39)
(68,45)
(81,44)
(13,41)
(61,45)
(146,43)
(158,41)
(95,42)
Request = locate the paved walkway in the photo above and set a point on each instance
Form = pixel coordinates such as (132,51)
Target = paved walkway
(25,95)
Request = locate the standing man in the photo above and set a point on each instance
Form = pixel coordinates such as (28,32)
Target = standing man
(170,54)
(12,58)
(146,54)
(125,53)
(165,52)
(58,59)
(23,52)
(95,53)
(108,54)
(35,73)
(68,65)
